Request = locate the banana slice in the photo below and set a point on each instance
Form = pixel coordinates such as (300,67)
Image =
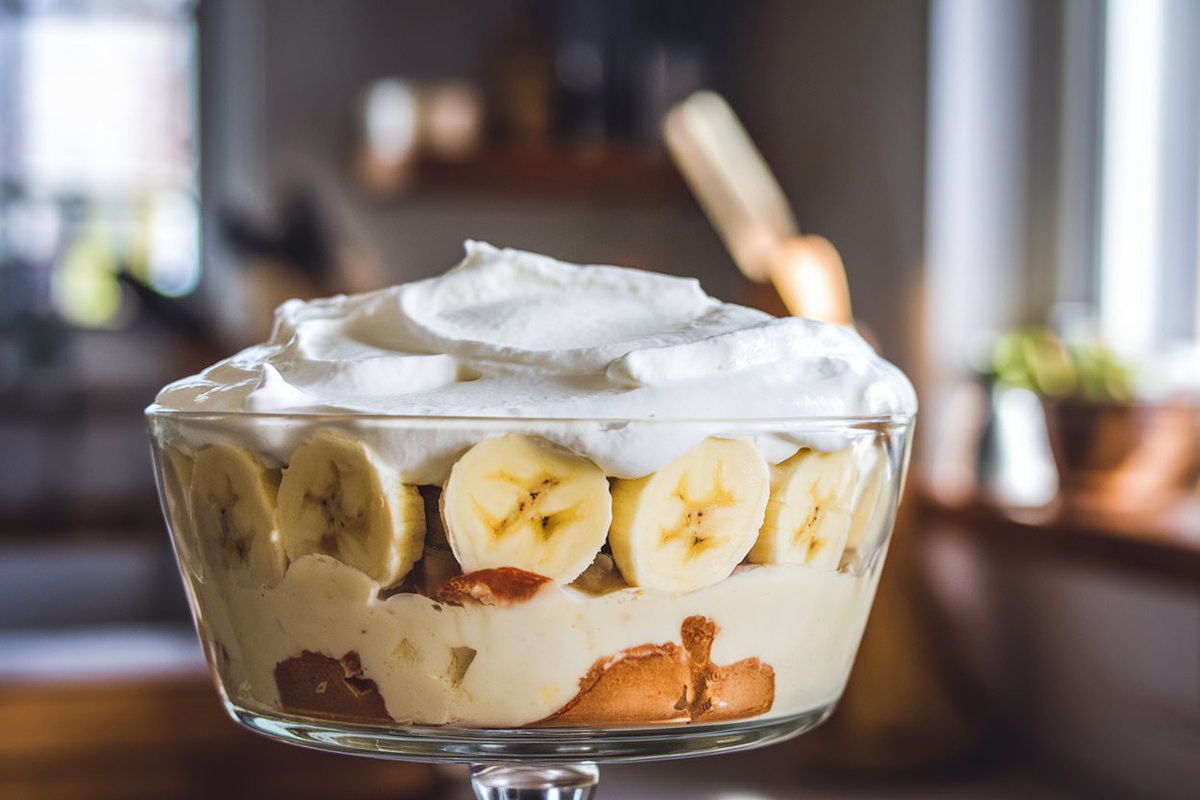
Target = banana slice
(338,499)
(688,525)
(178,464)
(518,501)
(233,510)
(809,514)
(869,506)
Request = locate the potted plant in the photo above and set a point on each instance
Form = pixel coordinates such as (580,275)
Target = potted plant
(1113,450)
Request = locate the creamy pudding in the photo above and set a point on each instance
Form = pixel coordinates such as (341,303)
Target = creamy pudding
(528,493)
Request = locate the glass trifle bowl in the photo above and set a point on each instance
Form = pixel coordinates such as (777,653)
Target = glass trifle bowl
(532,593)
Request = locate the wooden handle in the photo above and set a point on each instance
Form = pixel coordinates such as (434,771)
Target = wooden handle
(730,179)
(809,275)
(746,205)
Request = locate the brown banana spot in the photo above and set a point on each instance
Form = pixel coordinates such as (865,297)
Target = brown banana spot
(688,527)
(527,512)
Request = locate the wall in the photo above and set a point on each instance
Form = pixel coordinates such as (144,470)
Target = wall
(834,93)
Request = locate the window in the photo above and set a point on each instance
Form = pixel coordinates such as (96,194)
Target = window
(97,153)
(1064,165)
(1149,174)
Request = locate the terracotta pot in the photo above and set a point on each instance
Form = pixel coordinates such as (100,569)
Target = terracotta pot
(1122,457)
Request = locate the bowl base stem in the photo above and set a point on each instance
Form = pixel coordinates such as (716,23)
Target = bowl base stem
(534,781)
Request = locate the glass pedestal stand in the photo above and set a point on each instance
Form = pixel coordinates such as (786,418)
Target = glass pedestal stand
(530,763)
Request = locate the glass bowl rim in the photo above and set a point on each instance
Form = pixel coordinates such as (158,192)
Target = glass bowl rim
(155,411)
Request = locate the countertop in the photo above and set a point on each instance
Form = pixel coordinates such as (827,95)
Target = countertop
(164,734)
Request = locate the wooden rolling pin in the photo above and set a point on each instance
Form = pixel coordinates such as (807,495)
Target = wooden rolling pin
(743,201)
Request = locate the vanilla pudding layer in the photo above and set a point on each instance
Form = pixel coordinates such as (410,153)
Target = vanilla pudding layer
(528,659)
(602,351)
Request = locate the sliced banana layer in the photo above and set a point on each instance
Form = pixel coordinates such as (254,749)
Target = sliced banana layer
(688,525)
(519,501)
(870,505)
(808,517)
(233,510)
(178,464)
(338,499)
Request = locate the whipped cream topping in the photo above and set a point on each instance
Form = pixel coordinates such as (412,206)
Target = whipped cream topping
(515,335)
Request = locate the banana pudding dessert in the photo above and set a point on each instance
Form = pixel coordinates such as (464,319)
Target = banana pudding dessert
(528,493)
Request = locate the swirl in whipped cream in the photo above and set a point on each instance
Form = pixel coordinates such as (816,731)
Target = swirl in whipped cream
(510,334)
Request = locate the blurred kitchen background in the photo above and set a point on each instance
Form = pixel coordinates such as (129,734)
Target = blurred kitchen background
(1013,185)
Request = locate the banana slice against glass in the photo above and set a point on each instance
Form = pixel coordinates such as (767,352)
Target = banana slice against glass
(810,511)
(178,464)
(337,498)
(868,523)
(232,499)
(519,501)
(689,524)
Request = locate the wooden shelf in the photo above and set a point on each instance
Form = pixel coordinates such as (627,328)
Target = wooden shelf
(1166,543)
